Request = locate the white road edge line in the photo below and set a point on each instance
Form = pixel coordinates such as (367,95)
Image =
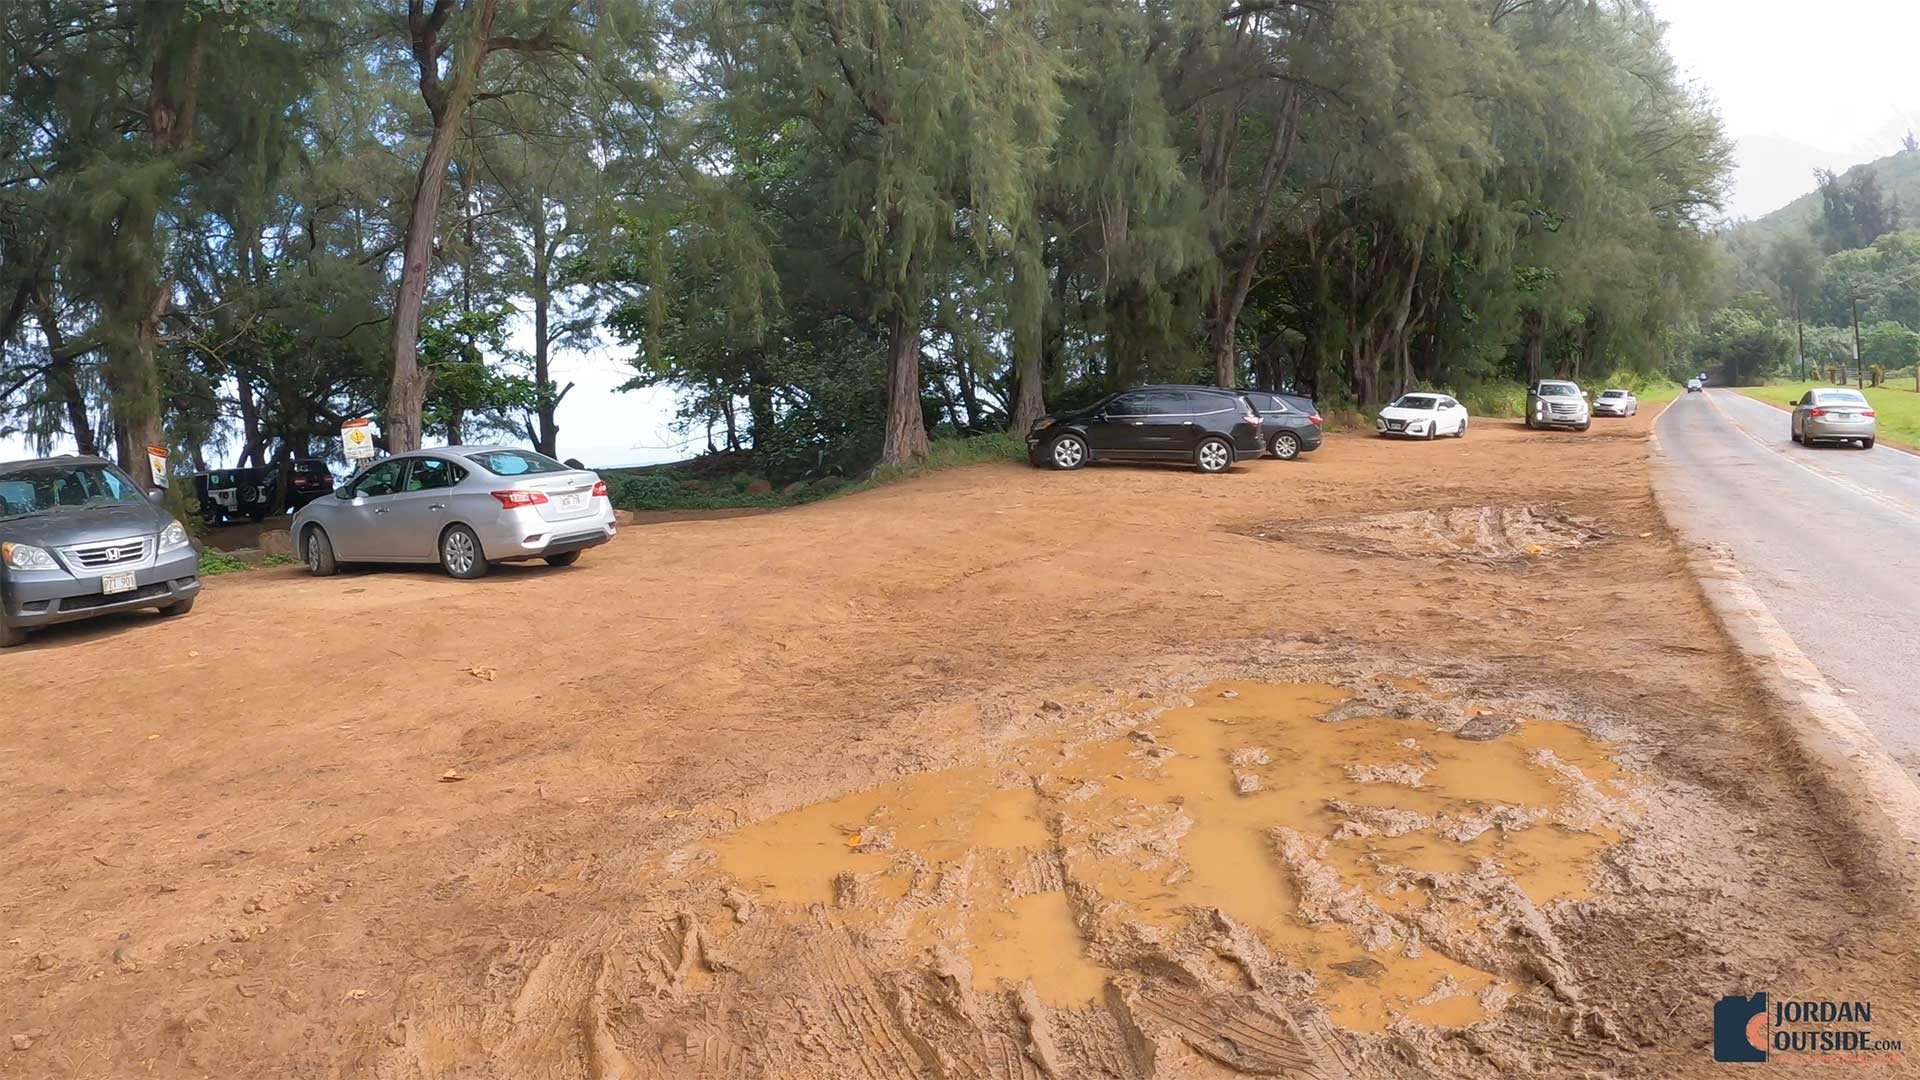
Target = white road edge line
(1851,771)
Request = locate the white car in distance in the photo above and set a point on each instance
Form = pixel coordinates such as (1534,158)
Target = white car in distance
(1616,403)
(1422,416)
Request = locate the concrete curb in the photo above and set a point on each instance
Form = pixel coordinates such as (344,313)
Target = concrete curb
(1851,773)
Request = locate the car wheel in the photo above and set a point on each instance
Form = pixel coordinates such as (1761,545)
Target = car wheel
(1866,444)
(1213,455)
(460,554)
(1530,424)
(1461,431)
(567,559)
(319,552)
(1285,446)
(1795,434)
(1433,430)
(11,636)
(179,608)
(1067,452)
(1586,425)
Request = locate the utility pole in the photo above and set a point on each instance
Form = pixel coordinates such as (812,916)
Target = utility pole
(1853,301)
(1800,328)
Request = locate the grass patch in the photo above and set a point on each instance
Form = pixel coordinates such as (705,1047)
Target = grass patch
(1896,408)
(698,488)
(214,563)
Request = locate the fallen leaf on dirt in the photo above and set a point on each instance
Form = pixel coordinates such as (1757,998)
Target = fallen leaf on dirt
(484,674)
(1644,535)
(452,776)
(356,995)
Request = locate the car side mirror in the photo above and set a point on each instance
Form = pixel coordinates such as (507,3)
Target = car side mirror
(156,495)
(343,494)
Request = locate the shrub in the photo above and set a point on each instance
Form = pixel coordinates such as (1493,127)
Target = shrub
(214,563)
(1877,374)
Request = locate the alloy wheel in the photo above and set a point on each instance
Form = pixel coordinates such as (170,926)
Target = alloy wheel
(458,551)
(1214,456)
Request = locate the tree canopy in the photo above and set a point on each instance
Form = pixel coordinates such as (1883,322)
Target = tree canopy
(837,226)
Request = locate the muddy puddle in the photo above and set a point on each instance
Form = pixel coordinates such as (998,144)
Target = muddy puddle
(1490,534)
(1378,862)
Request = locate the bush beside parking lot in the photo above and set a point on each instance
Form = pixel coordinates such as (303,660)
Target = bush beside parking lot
(680,488)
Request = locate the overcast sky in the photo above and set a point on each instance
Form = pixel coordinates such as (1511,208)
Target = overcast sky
(1801,83)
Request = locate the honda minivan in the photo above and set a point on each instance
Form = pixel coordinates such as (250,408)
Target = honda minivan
(78,538)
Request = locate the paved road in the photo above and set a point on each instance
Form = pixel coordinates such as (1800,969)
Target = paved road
(1829,538)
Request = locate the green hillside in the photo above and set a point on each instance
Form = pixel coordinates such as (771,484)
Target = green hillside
(1899,177)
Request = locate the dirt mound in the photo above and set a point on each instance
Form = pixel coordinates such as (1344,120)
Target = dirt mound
(1497,533)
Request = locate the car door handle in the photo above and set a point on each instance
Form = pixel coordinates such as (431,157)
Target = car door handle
(436,506)
(380,509)
(1136,423)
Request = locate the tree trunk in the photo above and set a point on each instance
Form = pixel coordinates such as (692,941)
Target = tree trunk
(906,438)
(1230,296)
(1029,311)
(549,430)
(133,379)
(1534,339)
(254,446)
(456,417)
(63,372)
(759,410)
(407,394)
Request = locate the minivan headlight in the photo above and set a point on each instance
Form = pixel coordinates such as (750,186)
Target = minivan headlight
(26,557)
(173,537)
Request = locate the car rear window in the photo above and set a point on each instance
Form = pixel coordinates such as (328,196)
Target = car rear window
(514,462)
(1839,397)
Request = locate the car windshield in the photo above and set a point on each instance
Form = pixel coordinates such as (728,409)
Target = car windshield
(1839,397)
(50,487)
(1559,389)
(514,462)
(1417,401)
(1614,393)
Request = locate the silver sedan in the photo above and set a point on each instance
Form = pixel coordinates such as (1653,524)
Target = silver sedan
(464,507)
(1834,414)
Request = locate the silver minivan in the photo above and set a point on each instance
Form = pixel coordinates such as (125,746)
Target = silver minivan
(78,538)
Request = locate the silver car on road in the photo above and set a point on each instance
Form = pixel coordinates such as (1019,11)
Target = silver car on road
(464,507)
(1834,414)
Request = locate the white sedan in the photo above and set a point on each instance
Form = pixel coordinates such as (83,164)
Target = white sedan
(1423,416)
(1616,403)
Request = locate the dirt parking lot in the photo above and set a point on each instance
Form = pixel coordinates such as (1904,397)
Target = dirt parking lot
(1403,760)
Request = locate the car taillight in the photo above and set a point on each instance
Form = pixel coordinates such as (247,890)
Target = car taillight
(513,500)
(1314,419)
(600,489)
(1816,412)
(1252,418)
(1866,412)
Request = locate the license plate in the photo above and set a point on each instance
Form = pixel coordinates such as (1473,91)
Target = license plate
(570,502)
(117,583)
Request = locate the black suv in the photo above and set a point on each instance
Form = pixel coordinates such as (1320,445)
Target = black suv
(1289,423)
(1206,425)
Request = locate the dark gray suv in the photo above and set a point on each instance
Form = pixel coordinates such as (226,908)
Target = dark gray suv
(78,538)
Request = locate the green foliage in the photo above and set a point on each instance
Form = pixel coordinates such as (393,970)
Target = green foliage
(1743,346)
(214,563)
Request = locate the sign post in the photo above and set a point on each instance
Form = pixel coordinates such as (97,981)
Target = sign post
(356,438)
(157,464)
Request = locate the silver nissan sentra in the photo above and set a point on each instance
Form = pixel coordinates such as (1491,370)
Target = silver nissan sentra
(464,507)
(1833,414)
